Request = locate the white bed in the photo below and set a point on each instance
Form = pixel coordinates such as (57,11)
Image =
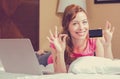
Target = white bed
(78,74)
(4,75)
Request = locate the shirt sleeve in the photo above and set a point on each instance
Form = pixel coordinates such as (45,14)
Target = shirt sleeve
(50,59)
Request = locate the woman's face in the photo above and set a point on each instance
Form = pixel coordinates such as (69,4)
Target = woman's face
(79,26)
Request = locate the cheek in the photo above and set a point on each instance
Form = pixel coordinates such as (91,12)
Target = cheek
(86,27)
(72,28)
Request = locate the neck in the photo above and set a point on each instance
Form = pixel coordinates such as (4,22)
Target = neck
(79,45)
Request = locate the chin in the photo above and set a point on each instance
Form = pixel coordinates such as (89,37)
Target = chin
(81,37)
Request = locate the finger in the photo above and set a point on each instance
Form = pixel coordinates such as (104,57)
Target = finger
(61,37)
(64,38)
(51,34)
(108,25)
(49,39)
(51,43)
(56,31)
(112,30)
(103,32)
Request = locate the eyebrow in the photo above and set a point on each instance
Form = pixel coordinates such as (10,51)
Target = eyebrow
(77,20)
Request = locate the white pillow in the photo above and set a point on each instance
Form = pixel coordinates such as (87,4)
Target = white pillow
(95,65)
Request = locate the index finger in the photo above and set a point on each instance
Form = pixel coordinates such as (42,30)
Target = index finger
(51,34)
(56,31)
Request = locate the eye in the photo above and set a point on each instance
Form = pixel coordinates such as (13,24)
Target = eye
(85,22)
(75,23)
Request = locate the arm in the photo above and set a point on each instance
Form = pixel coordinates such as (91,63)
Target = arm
(58,47)
(99,48)
(103,50)
(59,63)
(108,51)
(107,39)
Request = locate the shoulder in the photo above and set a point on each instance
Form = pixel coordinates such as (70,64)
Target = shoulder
(95,41)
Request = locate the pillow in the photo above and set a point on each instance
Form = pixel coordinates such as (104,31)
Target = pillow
(94,65)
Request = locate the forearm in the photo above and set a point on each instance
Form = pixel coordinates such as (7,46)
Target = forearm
(59,63)
(99,49)
(108,51)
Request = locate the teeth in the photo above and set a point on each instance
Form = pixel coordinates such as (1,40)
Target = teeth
(80,33)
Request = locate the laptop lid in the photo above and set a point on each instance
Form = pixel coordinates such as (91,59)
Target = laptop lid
(18,56)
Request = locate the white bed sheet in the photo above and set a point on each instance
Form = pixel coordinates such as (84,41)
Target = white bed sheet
(5,75)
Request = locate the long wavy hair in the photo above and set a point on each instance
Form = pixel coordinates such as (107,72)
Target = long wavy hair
(69,14)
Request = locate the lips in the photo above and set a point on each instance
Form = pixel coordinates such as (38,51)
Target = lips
(81,33)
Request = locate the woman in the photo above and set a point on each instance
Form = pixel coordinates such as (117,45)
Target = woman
(74,40)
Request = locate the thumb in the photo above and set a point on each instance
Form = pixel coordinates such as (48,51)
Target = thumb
(102,40)
(64,38)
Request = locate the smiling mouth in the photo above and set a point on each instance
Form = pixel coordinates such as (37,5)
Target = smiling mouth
(81,33)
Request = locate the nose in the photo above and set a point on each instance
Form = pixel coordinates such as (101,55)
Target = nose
(80,25)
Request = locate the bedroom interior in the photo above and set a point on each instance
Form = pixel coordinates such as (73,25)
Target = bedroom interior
(97,13)
(48,16)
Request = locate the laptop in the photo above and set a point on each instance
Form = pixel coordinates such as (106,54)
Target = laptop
(18,56)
